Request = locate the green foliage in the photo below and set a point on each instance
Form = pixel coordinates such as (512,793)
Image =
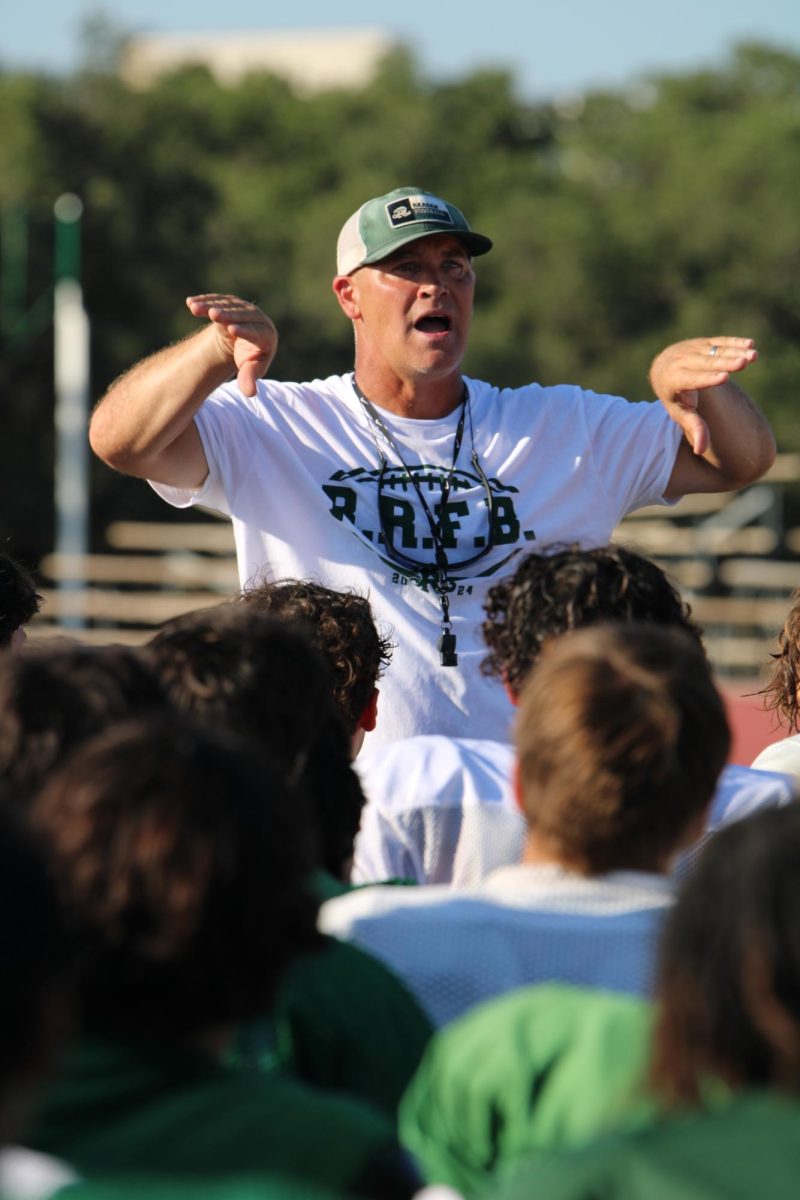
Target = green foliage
(621,223)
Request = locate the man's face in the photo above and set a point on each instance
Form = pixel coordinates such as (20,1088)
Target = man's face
(413,309)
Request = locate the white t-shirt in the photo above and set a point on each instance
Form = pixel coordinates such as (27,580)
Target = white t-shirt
(442,810)
(525,924)
(296,468)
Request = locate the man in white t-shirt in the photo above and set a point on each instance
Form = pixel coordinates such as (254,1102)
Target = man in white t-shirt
(620,738)
(442,810)
(406,479)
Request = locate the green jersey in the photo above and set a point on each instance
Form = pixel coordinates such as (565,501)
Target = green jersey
(748,1148)
(540,1068)
(141,1106)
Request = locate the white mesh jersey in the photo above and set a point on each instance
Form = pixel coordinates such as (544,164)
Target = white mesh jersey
(439,810)
(297,469)
(525,924)
(442,810)
(783,755)
(741,791)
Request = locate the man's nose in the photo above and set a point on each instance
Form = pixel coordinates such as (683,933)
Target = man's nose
(433,279)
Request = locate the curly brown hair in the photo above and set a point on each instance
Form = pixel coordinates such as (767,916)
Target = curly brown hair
(564,588)
(342,628)
(781,693)
(54,697)
(235,667)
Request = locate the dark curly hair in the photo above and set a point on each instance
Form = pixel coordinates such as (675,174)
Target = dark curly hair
(342,628)
(564,588)
(235,667)
(54,697)
(781,693)
(19,600)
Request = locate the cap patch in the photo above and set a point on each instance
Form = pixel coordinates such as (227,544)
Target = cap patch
(418,208)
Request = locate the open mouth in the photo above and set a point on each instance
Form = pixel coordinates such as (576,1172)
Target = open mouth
(433,324)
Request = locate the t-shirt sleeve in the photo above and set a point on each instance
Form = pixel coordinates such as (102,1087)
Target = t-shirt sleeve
(221,423)
(634,446)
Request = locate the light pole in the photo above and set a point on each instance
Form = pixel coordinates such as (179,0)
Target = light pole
(71,345)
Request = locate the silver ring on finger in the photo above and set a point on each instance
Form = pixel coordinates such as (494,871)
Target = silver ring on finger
(713,350)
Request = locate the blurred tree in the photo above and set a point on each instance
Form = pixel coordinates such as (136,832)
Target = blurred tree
(102,40)
(622,221)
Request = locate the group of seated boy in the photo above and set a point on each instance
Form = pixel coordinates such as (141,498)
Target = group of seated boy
(249,955)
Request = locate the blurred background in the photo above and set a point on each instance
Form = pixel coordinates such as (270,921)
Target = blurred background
(639,172)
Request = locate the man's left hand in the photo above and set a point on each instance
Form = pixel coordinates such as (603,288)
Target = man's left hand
(679,373)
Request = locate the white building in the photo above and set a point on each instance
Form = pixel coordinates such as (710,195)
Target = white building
(312,60)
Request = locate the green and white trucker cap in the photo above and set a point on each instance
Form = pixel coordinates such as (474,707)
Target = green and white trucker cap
(387,222)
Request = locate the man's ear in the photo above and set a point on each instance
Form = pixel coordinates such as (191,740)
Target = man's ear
(512,695)
(346,293)
(369,717)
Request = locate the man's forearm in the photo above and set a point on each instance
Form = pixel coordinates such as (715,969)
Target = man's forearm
(728,443)
(742,445)
(142,424)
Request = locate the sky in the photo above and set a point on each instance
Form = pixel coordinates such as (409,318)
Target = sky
(553,50)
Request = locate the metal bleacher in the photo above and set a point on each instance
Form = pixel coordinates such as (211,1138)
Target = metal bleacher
(151,572)
(734,561)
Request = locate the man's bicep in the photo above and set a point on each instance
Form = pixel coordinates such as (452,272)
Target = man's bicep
(181,464)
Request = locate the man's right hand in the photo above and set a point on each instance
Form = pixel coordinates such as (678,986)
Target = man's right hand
(246,336)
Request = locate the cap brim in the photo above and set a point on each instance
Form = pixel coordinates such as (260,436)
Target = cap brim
(476,243)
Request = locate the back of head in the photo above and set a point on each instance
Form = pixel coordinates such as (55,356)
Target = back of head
(621,736)
(341,626)
(53,699)
(235,667)
(180,861)
(568,588)
(19,600)
(729,975)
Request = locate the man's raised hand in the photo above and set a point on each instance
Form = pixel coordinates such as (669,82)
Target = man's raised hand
(679,373)
(246,335)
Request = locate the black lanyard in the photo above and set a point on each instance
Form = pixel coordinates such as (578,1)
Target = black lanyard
(440,569)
